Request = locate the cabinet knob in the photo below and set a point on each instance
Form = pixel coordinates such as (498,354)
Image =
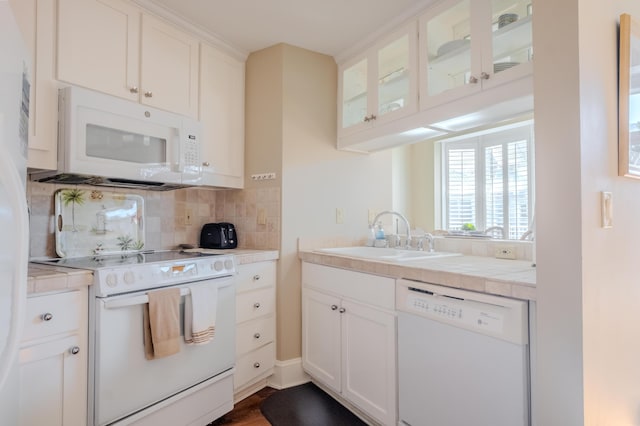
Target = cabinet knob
(334,307)
(366,119)
(47,317)
(256,277)
(148,94)
(206,164)
(485,76)
(257,335)
(372,117)
(74,350)
(256,365)
(342,310)
(133,89)
(256,305)
(473,80)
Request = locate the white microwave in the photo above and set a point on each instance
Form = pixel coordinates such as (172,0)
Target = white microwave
(125,142)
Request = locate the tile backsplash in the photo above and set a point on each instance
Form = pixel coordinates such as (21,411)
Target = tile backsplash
(173,217)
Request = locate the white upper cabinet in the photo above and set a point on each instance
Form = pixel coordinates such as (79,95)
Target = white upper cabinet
(471,45)
(36,19)
(222,118)
(168,68)
(380,85)
(99,45)
(112,47)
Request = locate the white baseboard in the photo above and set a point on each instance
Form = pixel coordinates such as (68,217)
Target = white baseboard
(287,374)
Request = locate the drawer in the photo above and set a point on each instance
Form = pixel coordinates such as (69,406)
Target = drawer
(251,335)
(254,304)
(52,314)
(255,364)
(256,275)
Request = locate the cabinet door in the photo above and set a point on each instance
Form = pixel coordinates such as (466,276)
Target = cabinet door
(222,118)
(510,44)
(98,45)
(168,68)
(53,388)
(381,85)
(321,337)
(369,360)
(450,53)
(36,19)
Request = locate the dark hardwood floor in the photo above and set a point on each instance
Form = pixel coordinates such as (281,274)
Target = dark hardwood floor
(247,412)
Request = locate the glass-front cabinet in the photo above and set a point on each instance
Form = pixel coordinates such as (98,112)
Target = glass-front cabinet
(470,45)
(380,85)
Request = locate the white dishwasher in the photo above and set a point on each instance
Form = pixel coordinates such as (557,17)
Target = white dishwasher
(463,357)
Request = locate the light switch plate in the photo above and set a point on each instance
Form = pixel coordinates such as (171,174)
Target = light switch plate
(606,202)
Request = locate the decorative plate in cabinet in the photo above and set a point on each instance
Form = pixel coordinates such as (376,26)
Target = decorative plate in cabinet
(91,223)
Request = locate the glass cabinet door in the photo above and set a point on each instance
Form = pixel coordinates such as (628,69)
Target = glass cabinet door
(394,76)
(448,48)
(511,33)
(354,94)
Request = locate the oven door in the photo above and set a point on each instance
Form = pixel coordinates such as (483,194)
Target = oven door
(125,381)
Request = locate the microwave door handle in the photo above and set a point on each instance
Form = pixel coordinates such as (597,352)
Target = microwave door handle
(141,299)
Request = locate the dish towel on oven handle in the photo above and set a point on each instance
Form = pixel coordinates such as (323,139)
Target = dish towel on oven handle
(161,323)
(200,314)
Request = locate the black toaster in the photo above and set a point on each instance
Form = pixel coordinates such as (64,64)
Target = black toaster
(219,236)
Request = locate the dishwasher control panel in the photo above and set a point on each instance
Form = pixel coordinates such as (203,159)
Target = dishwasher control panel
(445,307)
(488,314)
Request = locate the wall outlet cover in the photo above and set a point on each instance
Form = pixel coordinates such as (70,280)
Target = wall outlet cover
(505,252)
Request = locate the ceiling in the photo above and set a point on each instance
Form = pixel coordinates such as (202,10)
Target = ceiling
(326,26)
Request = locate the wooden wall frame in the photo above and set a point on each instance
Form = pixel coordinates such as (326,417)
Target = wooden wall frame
(629,98)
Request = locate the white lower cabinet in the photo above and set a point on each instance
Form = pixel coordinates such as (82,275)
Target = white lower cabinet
(255,326)
(349,337)
(53,360)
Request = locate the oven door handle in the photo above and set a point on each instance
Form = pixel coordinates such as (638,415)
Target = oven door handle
(141,299)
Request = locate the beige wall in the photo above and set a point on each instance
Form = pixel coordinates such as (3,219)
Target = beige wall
(588,292)
(316,178)
(422,189)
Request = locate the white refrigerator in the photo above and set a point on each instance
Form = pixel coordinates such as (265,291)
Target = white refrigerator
(14,221)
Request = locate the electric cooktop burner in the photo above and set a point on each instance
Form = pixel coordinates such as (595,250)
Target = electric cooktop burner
(95,262)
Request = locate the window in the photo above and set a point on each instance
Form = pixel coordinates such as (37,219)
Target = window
(487,181)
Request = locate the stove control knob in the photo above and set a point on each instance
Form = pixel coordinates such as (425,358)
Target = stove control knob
(218,265)
(228,264)
(129,277)
(112,280)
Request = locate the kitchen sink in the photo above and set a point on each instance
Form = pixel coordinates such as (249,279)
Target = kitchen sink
(385,254)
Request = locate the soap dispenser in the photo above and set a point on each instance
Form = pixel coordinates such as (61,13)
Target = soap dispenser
(371,237)
(380,232)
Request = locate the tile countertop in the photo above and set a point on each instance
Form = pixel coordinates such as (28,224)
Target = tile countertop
(510,278)
(48,278)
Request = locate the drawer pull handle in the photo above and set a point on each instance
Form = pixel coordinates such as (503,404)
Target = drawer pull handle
(148,94)
(342,310)
(74,350)
(47,317)
(256,365)
(133,89)
(257,335)
(334,307)
(256,277)
(256,305)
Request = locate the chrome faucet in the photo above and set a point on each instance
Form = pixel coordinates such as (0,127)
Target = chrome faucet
(427,236)
(404,219)
(495,228)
